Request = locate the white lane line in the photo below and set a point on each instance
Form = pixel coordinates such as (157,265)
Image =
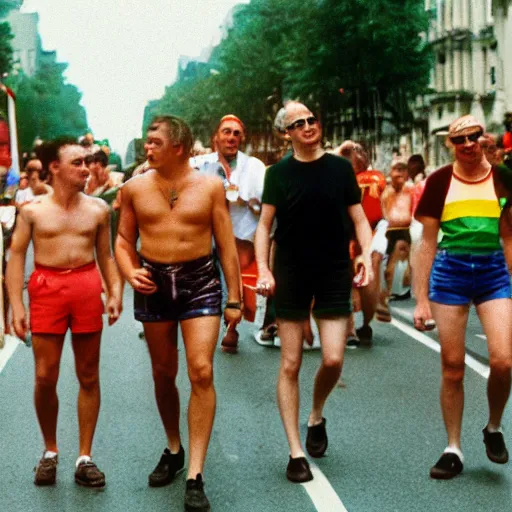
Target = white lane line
(11,344)
(483,336)
(322,494)
(475,365)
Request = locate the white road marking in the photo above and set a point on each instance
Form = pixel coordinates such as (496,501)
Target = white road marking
(475,365)
(11,344)
(322,494)
(483,336)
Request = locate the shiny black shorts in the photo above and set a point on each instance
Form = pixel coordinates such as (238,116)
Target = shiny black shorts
(185,290)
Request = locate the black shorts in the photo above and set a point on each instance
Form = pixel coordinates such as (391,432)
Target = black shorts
(185,290)
(299,282)
(394,235)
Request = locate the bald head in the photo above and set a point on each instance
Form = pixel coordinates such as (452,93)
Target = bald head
(294,110)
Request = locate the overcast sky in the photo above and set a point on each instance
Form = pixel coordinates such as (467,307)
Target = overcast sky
(122,53)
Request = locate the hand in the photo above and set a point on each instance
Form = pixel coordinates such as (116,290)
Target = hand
(266,284)
(140,281)
(423,320)
(114,309)
(19,322)
(232,317)
(364,271)
(255,206)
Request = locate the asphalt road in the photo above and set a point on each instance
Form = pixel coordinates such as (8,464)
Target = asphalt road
(385,431)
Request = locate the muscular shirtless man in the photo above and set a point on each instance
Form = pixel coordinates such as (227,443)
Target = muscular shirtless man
(67,228)
(397,212)
(175,211)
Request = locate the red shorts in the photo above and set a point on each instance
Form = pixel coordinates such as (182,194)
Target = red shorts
(60,299)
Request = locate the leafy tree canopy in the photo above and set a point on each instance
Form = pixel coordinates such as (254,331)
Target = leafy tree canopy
(5,48)
(364,55)
(47,106)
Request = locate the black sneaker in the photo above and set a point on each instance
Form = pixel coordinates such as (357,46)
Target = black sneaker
(46,471)
(495,446)
(195,498)
(170,464)
(448,466)
(365,335)
(298,470)
(88,475)
(316,441)
(353,341)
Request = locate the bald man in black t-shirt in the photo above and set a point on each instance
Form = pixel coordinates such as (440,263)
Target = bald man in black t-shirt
(316,201)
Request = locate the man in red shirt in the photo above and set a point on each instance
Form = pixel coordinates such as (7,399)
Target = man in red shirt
(372,183)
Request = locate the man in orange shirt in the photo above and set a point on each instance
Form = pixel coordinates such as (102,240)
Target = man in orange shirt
(372,183)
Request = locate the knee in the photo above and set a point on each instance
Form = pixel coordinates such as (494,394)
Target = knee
(47,377)
(290,368)
(201,375)
(89,381)
(332,363)
(453,371)
(164,375)
(501,367)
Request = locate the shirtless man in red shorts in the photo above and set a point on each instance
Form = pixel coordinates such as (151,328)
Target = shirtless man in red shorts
(175,211)
(67,229)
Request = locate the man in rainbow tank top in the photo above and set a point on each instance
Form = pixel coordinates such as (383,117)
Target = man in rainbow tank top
(464,200)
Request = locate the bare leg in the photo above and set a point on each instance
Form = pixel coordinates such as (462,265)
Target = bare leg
(451,323)
(161,338)
(496,318)
(47,354)
(333,336)
(291,334)
(87,357)
(200,337)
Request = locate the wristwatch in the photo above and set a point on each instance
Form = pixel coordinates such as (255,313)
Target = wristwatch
(233,305)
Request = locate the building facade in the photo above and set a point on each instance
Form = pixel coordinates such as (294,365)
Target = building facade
(469,75)
(26,44)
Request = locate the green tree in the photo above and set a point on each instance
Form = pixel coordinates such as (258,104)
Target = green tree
(5,48)
(362,57)
(47,106)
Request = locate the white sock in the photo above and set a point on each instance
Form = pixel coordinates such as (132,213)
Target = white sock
(492,429)
(83,458)
(49,454)
(456,451)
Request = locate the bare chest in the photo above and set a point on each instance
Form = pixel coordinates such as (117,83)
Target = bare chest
(190,206)
(54,224)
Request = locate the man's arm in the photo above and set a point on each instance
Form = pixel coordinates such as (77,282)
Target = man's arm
(364,237)
(225,242)
(14,276)
(266,283)
(125,248)
(384,199)
(423,258)
(506,234)
(108,267)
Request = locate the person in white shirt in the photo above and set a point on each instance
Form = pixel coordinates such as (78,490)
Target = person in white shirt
(24,193)
(243,178)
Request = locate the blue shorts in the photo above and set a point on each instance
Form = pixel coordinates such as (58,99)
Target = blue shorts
(459,279)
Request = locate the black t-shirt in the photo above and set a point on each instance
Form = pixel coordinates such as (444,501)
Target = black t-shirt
(312,200)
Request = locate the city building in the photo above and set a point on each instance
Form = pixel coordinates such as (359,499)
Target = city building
(26,43)
(470,74)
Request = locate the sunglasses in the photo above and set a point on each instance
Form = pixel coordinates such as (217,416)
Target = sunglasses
(461,139)
(300,123)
